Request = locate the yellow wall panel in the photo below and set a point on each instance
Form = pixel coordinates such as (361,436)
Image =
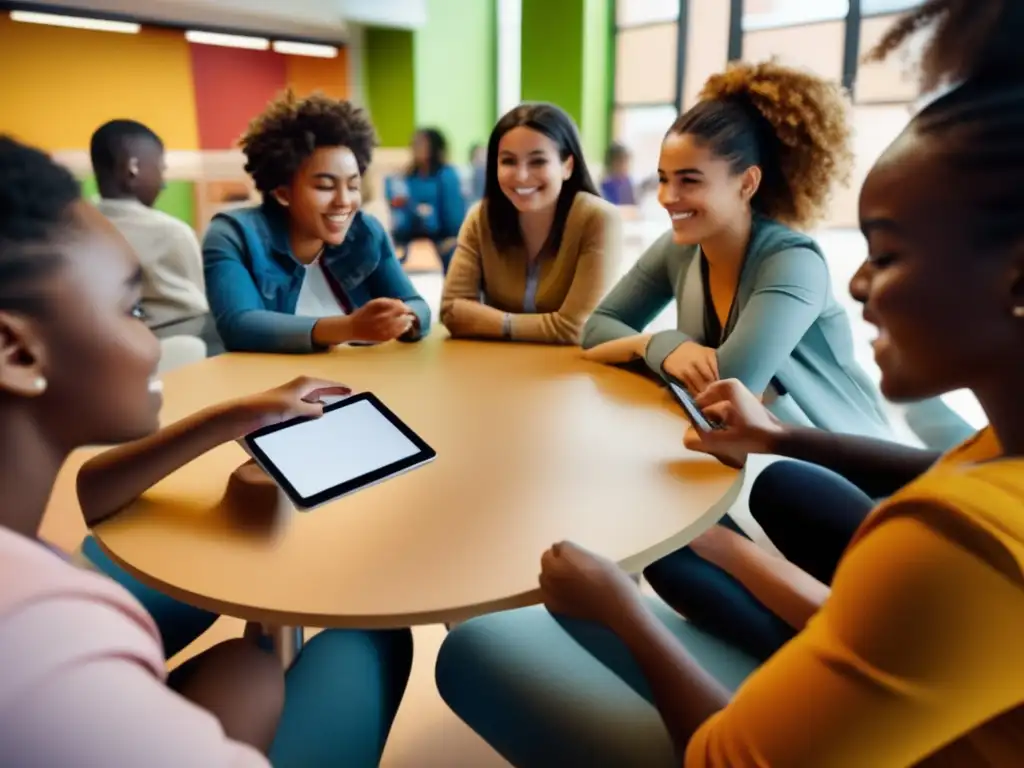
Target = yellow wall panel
(58,85)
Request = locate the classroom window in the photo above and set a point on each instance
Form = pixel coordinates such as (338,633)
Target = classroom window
(815,47)
(641,130)
(893,80)
(631,13)
(646,66)
(887,6)
(768,14)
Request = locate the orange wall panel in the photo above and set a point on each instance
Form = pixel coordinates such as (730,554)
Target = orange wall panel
(58,85)
(330,76)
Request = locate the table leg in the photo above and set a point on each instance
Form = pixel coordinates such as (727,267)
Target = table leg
(287,642)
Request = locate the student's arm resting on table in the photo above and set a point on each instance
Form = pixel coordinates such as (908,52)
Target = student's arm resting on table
(635,301)
(110,481)
(389,280)
(912,650)
(88,695)
(237,306)
(600,251)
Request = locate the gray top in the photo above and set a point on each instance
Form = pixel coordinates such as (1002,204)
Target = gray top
(787,336)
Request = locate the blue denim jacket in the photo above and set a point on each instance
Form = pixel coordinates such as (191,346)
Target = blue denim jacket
(253,280)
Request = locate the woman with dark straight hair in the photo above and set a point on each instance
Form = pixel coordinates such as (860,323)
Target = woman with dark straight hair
(535,255)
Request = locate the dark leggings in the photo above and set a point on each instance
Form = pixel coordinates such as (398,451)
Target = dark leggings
(809,513)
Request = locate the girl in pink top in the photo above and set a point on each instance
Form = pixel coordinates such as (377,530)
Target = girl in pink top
(82,667)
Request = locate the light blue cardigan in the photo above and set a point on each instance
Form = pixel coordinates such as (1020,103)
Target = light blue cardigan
(786,327)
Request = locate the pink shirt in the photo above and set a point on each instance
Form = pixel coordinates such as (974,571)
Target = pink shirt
(82,675)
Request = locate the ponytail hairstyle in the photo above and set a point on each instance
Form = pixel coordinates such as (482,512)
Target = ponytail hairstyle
(791,124)
(977,129)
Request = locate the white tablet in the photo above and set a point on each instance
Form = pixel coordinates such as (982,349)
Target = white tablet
(356,443)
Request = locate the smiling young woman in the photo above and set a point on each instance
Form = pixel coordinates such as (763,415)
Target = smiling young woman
(308,269)
(753,162)
(535,255)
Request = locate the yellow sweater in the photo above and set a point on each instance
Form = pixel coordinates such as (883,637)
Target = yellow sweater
(916,657)
(570,284)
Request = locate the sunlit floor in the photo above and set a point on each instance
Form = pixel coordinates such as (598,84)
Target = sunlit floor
(426,734)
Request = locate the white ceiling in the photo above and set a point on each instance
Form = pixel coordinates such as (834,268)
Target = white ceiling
(313,19)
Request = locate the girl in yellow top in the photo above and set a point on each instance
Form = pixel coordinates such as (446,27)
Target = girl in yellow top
(537,254)
(912,657)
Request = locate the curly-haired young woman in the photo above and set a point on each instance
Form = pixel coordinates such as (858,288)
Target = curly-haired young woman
(753,161)
(307,270)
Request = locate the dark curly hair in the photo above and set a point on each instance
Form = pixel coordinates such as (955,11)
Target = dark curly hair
(790,123)
(291,129)
(36,195)
(968,38)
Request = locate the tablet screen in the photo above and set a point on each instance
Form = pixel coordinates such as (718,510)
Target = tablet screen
(355,440)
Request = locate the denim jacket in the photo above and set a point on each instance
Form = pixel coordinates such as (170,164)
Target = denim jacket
(253,280)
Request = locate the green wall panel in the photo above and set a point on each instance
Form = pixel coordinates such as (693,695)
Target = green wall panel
(598,46)
(390,78)
(552,53)
(455,57)
(179,200)
(566,53)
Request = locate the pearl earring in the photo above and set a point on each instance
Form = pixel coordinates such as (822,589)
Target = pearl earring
(39,385)
(1018,311)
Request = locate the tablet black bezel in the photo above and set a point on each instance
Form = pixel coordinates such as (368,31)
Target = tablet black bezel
(424,454)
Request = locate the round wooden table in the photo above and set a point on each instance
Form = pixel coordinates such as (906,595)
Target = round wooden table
(534,445)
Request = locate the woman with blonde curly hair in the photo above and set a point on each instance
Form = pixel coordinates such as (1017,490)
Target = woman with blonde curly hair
(307,269)
(740,173)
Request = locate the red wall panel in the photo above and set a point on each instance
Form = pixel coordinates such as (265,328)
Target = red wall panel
(232,86)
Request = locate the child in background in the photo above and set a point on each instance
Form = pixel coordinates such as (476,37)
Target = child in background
(617,186)
(128,160)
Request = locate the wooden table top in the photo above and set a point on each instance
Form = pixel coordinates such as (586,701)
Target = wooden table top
(534,445)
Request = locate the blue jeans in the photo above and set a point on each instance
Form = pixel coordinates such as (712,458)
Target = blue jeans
(552,691)
(341,694)
(810,513)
